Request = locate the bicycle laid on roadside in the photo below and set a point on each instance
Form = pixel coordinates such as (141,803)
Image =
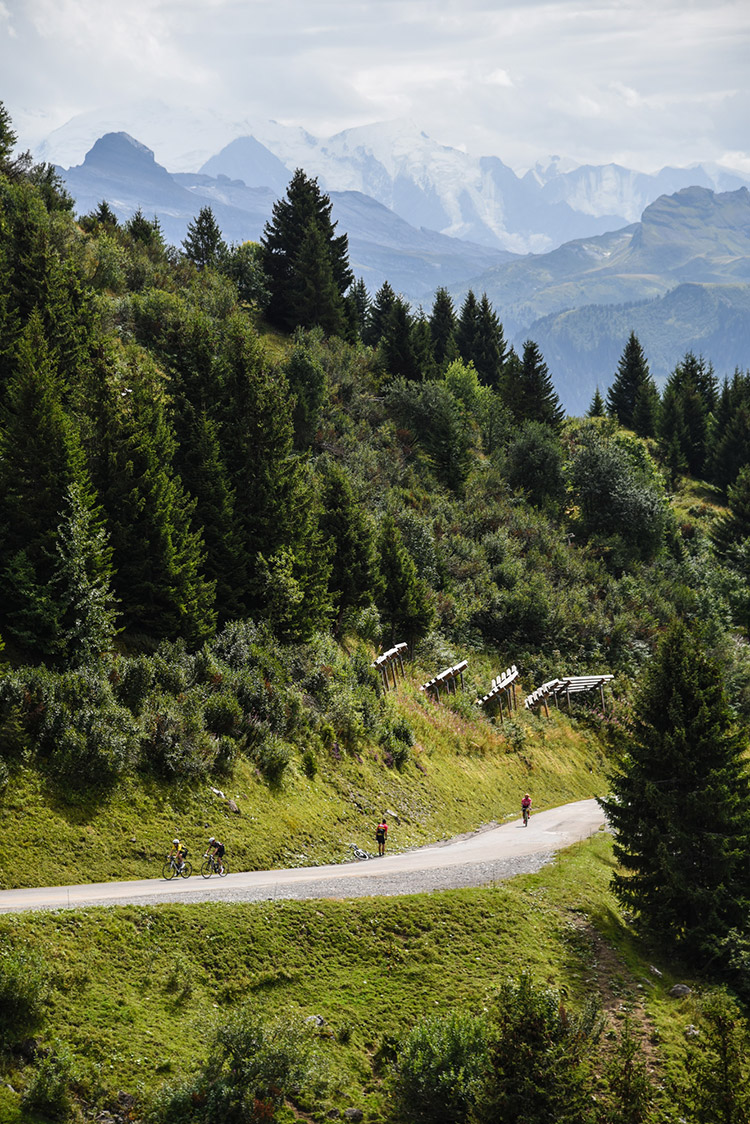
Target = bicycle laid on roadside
(212,865)
(172,870)
(358,852)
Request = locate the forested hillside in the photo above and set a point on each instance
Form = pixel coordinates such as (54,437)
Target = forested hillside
(228,479)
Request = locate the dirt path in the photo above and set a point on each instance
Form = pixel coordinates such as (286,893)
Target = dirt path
(483,856)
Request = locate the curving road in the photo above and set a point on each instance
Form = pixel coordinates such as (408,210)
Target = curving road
(486,855)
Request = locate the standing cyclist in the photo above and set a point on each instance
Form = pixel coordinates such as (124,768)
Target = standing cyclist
(381,832)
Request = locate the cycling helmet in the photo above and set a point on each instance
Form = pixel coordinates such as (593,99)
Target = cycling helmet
(212,840)
(175,841)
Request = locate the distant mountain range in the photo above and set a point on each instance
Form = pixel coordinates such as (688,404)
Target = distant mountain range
(421,215)
(382,246)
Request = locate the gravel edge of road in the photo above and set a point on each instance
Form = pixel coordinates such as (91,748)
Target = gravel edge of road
(368,886)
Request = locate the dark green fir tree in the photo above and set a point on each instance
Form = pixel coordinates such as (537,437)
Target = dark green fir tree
(631,380)
(680,804)
(203,244)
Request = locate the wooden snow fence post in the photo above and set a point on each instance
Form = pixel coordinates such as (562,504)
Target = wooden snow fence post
(449,678)
(571,685)
(504,686)
(392,660)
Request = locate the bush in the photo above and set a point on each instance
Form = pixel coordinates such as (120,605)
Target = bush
(49,1090)
(539,1058)
(176,743)
(222,714)
(85,735)
(436,1076)
(273,757)
(23,992)
(252,1067)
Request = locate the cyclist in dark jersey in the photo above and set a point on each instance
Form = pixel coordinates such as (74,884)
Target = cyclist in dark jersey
(380,833)
(216,851)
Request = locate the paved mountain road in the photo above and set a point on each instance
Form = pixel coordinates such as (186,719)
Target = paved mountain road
(486,855)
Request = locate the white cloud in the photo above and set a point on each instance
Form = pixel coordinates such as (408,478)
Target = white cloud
(658,80)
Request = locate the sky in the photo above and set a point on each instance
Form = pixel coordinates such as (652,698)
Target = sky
(643,83)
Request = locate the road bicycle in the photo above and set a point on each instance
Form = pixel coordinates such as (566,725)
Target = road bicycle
(525,812)
(212,865)
(171,869)
(358,852)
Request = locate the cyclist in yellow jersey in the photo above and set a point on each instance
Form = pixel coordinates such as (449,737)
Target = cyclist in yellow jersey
(178,851)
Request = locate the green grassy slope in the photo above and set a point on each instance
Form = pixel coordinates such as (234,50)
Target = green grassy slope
(141,987)
(463,771)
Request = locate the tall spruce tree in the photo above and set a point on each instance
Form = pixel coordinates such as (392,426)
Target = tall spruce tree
(489,344)
(729,436)
(729,531)
(203,244)
(347,526)
(443,328)
(680,804)
(158,551)
(40,458)
(631,380)
(83,577)
(396,342)
(533,397)
(300,249)
(467,329)
(384,300)
(404,600)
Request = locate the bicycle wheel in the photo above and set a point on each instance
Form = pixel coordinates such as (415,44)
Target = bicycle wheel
(207,868)
(224,869)
(168,870)
(187,870)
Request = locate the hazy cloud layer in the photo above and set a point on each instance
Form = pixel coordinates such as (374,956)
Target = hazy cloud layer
(641,82)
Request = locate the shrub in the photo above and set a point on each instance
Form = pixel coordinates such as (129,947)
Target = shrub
(49,1090)
(85,735)
(436,1076)
(222,714)
(136,679)
(23,992)
(252,1067)
(539,1058)
(272,756)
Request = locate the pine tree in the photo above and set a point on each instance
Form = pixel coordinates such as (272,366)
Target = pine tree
(83,577)
(158,552)
(396,342)
(489,344)
(404,599)
(200,464)
(299,249)
(632,377)
(731,529)
(359,299)
(538,397)
(729,436)
(443,329)
(689,398)
(596,409)
(384,300)
(680,804)
(346,524)
(307,383)
(467,329)
(204,245)
(647,410)
(40,458)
